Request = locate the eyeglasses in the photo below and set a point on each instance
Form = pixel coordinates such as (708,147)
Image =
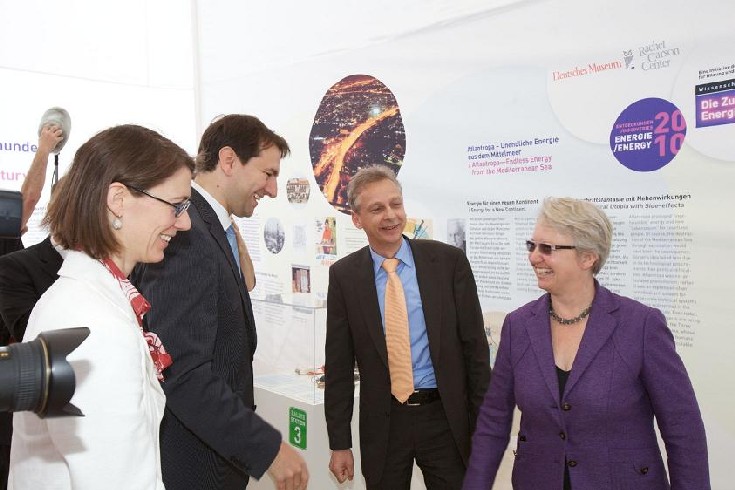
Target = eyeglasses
(179,208)
(546,248)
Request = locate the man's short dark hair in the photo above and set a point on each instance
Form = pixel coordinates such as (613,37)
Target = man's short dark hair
(246,135)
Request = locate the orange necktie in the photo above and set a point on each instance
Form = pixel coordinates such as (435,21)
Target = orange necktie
(246,263)
(396,334)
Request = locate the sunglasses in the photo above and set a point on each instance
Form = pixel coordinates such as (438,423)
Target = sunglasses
(179,208)
(546,248)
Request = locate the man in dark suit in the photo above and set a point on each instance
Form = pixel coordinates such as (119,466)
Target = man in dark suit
(448,349)
(211,437)
(27,276)
(19,290)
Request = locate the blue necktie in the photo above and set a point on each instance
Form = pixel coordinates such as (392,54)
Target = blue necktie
(232,239)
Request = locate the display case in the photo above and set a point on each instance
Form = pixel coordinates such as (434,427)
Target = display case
(289,359)
(289,385)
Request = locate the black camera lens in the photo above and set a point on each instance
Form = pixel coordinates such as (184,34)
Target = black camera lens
(35,376)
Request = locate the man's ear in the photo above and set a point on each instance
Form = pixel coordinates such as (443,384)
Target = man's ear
(227,160)
(356,220)
(116,194)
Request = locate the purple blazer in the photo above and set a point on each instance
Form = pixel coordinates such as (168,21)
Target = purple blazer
(626,372)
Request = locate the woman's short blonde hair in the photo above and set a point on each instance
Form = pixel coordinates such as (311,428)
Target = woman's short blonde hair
(588,225)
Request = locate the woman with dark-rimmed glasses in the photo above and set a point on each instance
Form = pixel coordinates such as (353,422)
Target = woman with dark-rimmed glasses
(589,370)
(123,199)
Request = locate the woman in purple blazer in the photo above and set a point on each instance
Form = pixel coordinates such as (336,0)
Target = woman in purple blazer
(589,370)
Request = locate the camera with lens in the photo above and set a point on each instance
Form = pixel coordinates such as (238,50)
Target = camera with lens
(35,376)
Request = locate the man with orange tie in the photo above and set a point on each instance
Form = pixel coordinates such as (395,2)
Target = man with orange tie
(407,312)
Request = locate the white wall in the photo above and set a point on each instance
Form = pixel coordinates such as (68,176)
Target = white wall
(469,73)
(106,62)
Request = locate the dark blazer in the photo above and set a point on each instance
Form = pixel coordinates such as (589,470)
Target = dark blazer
(211,437)
(10,245)
(626,372)
(24,276)
(457,344)
(7,245)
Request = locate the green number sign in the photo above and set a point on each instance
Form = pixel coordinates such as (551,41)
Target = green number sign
(297,427)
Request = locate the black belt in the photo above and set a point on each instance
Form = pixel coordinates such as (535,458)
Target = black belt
(420,397)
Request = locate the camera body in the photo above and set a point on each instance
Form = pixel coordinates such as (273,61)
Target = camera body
(11,211)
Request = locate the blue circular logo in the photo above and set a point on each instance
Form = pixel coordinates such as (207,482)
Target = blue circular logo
(648,134)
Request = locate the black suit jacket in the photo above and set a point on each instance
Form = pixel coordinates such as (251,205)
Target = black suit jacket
(457,343)
(211,437)
(7,245)
(24,276)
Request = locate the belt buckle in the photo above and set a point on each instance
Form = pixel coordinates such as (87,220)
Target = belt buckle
(409,404)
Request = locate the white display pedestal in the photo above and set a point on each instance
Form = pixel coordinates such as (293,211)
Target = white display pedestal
(274,407)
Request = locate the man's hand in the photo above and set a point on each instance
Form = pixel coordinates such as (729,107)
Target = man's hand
(50,136)
(342,465)
(288,470)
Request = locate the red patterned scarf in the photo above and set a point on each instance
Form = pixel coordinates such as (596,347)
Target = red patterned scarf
(161,359)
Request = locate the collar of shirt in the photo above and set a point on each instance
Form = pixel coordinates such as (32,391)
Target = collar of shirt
(404,255)
(219,209)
